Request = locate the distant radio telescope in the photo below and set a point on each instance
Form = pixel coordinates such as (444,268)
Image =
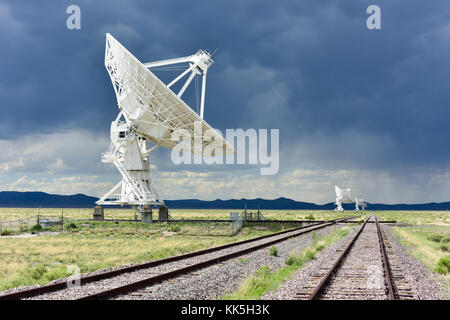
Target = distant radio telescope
(342,196)
(360,204)
(149,113)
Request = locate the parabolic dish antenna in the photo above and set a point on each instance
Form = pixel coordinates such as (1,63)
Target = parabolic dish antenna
(151,111)
(342,196)
(360,204)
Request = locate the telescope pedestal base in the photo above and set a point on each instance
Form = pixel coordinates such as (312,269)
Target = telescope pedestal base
(147,215)
(99,215)
(163,214)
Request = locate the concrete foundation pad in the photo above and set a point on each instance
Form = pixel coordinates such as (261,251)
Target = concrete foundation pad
(99,214)
(163,213)
(147,215)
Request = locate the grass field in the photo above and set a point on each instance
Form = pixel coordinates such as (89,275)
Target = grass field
(441,218)
(429,244)
(92,246)
(264,281)
(114,213)
(410,217)
(96,245)
(426,238)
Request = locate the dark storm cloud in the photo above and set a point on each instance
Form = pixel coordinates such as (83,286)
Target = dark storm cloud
(342,96)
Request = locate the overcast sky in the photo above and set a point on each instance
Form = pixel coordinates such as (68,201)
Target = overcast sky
(365,109)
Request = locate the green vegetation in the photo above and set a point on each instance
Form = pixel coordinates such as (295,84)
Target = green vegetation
(24,230)
(6,232)
(175,229)
(441,239)
(410,217)
(264,281)
(244,260)
(74,213)
(120,213)
(443,265)
(429,244)
(273,251)
(95,245)
(439,218)
(70,226)
(36,228)
(222,229)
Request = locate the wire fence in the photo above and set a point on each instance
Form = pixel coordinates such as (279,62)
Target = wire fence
(238,222)
(31,224)
(57,223)
(48,222)
(16,225)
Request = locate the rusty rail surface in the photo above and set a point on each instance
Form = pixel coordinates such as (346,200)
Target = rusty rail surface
(387,267)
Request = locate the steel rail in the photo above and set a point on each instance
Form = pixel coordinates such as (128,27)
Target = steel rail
(60,285)
(110,293)
(386,221)
(326,279)
(247,221)
(215,221)
(387,266)
(230,221)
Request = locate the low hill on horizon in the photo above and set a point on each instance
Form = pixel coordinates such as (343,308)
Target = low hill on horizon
(34,199)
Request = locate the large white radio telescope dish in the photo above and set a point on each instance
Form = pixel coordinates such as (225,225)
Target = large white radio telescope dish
(342,196)
(150,111)
(148,104)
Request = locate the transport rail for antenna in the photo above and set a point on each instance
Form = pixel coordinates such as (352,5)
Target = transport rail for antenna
(150,112)
(342,196)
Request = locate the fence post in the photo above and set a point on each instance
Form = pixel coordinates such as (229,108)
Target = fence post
(62,220)
(1,231)
(37,227)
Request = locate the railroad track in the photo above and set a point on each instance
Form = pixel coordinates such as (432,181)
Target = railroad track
(105,285)
(365,268)
(216,221)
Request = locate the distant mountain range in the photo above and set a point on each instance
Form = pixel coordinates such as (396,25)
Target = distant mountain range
(45,200)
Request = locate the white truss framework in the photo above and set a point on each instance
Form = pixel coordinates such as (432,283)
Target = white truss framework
(129,153)
(151,111)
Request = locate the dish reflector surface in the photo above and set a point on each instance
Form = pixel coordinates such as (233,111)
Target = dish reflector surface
(154,109)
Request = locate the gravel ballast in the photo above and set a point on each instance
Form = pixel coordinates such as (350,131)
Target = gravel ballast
(424,284)
(214,281)
(109,283)
(299,279)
